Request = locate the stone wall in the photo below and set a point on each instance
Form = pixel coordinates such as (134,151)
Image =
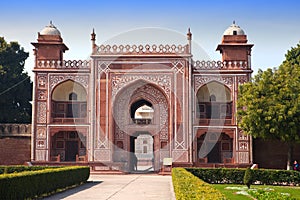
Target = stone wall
(272,154)
(15,144)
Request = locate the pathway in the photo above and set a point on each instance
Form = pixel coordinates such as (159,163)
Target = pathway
(122,187)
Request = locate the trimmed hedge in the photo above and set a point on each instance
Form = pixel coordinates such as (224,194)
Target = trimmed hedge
(32,184)
(235,176)
(187,186)
(21,168)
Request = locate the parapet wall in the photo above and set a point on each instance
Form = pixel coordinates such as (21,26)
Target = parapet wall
(15,130)
(15,144)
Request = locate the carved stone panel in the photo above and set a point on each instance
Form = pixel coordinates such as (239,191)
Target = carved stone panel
(41,133)
(180,156)
(56,79)
(42,81)
(243,157)
(41,144)
(41,155)
(42,95)
(243,136)
(102,155)
(120,81)
(243,146)
(243,79)
(41,112)
(202,80)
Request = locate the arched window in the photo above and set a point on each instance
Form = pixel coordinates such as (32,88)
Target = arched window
(73,96)
(214,101)
(141,112)
(212,98)
(68,101)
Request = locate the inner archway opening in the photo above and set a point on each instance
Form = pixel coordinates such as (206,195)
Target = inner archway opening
(141,112)
(142,151)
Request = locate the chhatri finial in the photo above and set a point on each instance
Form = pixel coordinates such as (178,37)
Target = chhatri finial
(51,24)
(93,35)
(189,34)
(233,21)
(93,39)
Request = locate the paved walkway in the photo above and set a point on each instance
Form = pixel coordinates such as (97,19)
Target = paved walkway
(123,187)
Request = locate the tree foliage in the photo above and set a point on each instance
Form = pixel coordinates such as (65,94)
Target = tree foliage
(269,105)
(248,177)
(15,84)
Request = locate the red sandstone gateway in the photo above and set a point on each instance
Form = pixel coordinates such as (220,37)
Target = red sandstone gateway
(150,101)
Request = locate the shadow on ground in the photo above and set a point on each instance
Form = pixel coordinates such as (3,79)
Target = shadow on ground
(72,191)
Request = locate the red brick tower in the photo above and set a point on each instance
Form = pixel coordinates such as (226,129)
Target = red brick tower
(234,45)
(50,45)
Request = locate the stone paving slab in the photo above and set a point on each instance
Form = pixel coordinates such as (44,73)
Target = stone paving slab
(122,187)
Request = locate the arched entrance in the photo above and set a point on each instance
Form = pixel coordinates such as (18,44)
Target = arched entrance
(70,146)
(142,152)
(215,147)
(141,109)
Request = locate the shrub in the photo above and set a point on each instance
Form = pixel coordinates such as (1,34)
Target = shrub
(21,168)
(248,177)
(259,176)
(32,184)
(219,175)
(187,186)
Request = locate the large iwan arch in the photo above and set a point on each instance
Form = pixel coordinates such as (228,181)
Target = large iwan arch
(125,129)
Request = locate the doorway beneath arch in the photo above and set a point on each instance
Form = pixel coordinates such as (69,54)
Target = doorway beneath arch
(142,152)
(70,146)
(215,147)
(141,126)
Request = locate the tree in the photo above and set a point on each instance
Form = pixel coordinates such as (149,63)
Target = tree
(15,84)
(269,105)
(248,177)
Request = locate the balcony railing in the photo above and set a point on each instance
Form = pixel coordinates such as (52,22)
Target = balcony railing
(220,65)
(214,113)
(141,121)
(69,111)
(66,64)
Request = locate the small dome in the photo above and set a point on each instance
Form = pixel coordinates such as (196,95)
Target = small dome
(50,30)
(234,30)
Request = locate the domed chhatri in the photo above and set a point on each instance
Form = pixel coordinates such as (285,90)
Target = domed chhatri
(234,29)
(50,30)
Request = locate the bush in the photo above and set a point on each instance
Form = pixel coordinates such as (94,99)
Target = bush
(32,184)
(248,177)
(235,176)
(219,175)
(20,168)
(187,186)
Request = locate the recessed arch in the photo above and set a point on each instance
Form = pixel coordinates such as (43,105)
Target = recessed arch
(63,90)
(214,101)
(68,100)
(217,90)
(127,101)
(215,147)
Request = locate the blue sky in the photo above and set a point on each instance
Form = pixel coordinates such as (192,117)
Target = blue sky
(272,26)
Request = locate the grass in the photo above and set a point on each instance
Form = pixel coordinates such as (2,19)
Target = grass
(231,193)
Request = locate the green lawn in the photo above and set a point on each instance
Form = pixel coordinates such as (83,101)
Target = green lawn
(232,193)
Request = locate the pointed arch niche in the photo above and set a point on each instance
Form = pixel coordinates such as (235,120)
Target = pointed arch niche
(69,102)
(214,102)
(141,107)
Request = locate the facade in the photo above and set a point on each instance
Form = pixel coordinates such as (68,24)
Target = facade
(131,105)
